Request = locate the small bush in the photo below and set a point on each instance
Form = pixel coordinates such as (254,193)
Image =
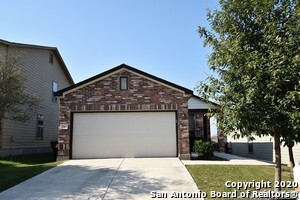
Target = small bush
(205,149)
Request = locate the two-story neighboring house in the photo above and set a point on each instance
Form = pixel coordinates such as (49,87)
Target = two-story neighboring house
(45,73)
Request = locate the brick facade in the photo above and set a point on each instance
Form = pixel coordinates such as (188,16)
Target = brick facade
(144,94)
(201,124)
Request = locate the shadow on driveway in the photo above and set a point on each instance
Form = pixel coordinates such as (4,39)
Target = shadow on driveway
(105,179)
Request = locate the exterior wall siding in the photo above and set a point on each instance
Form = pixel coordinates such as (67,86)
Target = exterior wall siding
(40,74)
(143,94)
(195,103)
(3,50)
(261,150)
(240,149)
(1,132)
(285,154)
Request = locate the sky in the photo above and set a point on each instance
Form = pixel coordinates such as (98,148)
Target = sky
(156,36)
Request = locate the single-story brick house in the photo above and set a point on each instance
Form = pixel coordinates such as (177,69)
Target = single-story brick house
(125,112)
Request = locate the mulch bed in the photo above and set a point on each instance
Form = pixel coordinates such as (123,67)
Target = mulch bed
(215,158)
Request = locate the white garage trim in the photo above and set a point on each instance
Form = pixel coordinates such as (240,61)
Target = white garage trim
(124,134)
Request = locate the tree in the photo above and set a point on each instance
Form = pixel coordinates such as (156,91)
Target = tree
(291,139)
(256,56)
(15,103)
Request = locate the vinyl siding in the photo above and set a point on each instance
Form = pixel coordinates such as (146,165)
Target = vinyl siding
(263,151)
(40,74)
(262,148)
(239,148)
(195,103)
(3,49)
(285,154)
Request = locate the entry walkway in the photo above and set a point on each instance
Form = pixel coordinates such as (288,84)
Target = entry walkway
(230,160)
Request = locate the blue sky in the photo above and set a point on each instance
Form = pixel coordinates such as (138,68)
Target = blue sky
(157,36)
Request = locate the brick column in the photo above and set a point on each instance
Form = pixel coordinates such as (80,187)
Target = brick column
(64,134)
(183,131)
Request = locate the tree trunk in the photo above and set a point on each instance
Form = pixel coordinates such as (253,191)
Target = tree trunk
(0,124)
(291,157)
(277,160)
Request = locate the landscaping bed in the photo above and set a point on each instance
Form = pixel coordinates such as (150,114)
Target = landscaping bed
(215,158)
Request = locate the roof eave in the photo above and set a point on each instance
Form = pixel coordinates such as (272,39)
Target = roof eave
(54,49)
(64,67)
(207,101)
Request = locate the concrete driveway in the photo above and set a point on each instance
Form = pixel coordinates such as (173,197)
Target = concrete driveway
(128,178)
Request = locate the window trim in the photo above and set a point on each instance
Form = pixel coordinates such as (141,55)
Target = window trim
(53,98)
(39,127)
(192,120)
(121,83)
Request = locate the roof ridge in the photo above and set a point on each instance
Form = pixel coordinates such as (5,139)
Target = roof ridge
(25,44)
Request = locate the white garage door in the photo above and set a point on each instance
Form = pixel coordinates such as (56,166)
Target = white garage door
(124,134)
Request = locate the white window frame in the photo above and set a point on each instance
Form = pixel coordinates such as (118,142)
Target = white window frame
(54,89)
(123,83)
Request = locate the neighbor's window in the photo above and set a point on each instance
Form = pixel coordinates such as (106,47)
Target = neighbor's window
(40,127)
(51,58)
(54,89)
(123,83)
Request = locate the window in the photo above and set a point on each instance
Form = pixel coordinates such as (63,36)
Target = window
(250,146)
(123,83)
(40,127)
(54,89)
(51,58)
(192,125)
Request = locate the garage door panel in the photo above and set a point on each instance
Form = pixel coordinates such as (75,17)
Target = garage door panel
(128,134)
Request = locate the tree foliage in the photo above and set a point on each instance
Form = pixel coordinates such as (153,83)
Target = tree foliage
(15,103)
(256,55)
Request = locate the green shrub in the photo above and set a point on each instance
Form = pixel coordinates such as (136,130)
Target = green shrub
(205,149)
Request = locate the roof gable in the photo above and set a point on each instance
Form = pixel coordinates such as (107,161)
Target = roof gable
(54,51)
(116,69)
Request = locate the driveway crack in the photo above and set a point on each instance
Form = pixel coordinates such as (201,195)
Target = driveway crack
(113,178)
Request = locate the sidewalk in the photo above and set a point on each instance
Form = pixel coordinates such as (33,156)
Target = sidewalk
(231,160)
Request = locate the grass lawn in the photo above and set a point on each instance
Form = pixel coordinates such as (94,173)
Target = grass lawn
(213,177)
(20,168)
